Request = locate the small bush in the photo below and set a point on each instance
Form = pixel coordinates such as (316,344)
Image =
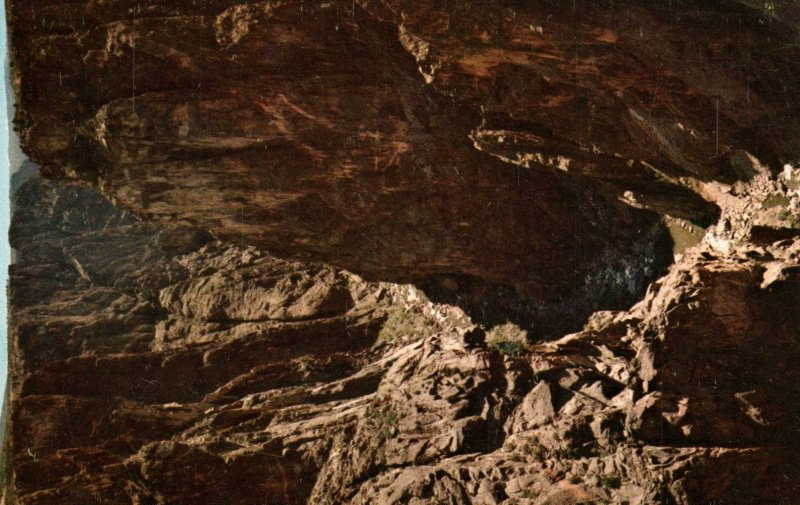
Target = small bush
(508,347)
(387,421)
(507,338)
(535,450)
(402,323)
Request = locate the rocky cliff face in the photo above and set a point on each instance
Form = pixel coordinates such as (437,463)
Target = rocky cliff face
(332,252)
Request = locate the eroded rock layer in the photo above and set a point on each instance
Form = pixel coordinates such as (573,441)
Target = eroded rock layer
(331,253)
(492,140)
(152,364)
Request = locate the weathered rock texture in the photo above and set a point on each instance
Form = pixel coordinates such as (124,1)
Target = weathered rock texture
(323,210)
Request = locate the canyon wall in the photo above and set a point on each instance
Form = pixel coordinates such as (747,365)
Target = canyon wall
(391,252)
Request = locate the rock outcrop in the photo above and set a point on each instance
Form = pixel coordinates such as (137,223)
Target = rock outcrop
(493,140)
(155,365)
(389,252)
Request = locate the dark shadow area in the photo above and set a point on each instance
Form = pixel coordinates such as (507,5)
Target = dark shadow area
(766,235)
(614,286)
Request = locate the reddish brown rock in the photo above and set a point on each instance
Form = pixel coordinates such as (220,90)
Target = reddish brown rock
(478,149)
(237,334)
(687,397)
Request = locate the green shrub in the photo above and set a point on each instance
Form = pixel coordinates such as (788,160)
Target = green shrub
(508,347)
(507,338)
(387,421)
(403,323)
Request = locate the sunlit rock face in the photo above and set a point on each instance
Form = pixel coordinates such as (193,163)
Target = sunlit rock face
(267,230)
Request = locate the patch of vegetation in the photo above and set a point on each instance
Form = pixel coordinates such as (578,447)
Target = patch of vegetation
(387,420)
(569,453)
(403,323)
(575,480)
(508,347)
(456,318)
(611,482)
(527,493)
(775,200)
(793,219)
(449,372)
(413,320)
(388,417)
(507,338)
(534,448)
